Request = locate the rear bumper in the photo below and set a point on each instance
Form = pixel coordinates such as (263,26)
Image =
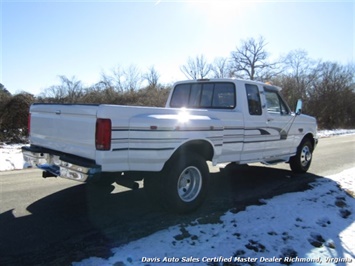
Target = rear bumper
(61,164)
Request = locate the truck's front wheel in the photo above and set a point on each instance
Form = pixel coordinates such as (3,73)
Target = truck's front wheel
(301,162)
(185,182)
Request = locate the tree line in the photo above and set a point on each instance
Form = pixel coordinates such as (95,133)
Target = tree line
(326,88)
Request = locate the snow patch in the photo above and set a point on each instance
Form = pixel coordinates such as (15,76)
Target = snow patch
(11,157)
(335,132)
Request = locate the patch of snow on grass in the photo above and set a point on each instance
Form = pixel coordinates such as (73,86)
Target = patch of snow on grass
(334,132)
(11,157)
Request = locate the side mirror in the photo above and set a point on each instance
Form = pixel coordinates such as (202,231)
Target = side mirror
(298,110)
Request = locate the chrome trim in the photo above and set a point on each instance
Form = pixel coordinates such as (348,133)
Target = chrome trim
(35,158)
(53,164)
(73,172)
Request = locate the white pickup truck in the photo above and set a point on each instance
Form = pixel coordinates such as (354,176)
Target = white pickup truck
(217,120)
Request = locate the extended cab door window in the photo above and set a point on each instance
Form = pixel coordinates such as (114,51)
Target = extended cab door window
(254,125)
(254,103)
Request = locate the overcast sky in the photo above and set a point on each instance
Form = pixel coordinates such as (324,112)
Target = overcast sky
(43,39)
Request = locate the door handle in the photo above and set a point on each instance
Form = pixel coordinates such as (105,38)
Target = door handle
(270,119)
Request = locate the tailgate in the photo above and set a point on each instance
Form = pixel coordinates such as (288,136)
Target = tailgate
(65,128)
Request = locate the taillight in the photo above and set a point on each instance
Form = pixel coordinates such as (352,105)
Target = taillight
(29,124)
(103,134)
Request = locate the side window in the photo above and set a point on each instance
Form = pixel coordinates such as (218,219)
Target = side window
(274,103)
(224,96)
(254,102)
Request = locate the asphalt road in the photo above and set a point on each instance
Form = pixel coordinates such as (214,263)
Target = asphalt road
(57,221)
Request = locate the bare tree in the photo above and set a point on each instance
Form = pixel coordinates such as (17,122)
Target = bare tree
(249,60)
(105,82)
(298,74)
(55,94)
(221,68)
(152,77)
(123,79)
(69,91)
(5,96)
(332,95)
(4,91)
(296,62)
(73,88)
(133,77)
(197,68)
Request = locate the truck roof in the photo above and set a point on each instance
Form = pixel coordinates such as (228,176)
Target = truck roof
(269,85)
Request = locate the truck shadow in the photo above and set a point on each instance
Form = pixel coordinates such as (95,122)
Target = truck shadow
(84,221)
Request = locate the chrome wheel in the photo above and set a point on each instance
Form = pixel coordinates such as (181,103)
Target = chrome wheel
(185,182)
(301,162)
(189,184)
(306,156)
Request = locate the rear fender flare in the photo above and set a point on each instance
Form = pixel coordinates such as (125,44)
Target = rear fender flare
(203,147)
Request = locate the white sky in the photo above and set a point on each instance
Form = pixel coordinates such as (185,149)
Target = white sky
(43,39)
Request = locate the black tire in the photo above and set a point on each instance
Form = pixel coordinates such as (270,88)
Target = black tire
(184,183)
(301,162)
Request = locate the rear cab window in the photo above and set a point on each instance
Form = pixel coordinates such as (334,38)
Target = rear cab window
(208,95)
